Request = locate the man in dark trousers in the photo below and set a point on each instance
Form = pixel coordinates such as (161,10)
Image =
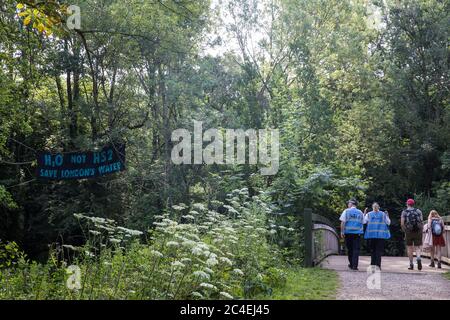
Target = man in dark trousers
(351,230)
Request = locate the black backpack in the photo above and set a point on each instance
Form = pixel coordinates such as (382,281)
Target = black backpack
(412,220)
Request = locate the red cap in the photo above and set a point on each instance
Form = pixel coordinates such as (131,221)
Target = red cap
(410,202)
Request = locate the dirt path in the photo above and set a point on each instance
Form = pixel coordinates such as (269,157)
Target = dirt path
(394,282)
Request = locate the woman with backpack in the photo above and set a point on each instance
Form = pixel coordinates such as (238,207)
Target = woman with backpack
(436,225)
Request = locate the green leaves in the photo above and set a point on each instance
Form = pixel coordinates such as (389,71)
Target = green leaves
(45,17)
(6,199)
(9,254)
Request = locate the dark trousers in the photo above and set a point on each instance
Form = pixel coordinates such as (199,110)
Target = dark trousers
(353,243)
(376,249)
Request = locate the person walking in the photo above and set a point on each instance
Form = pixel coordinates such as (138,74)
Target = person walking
(351,230)
(436,225)
(377,231)
(412,225)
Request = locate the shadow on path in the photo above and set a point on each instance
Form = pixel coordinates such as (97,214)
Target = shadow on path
(395,282)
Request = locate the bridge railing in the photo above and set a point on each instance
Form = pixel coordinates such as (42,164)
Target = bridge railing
(445,250)
(321,238)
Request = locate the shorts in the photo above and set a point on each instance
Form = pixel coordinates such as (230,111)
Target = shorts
(413,238)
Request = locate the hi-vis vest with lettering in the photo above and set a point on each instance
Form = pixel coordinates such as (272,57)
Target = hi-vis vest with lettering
(376,226)
(353,221)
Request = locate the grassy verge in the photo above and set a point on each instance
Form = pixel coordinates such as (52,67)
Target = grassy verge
(447,275)
(307,284)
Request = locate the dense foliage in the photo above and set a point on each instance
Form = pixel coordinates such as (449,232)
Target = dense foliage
(192,253)
(358,89)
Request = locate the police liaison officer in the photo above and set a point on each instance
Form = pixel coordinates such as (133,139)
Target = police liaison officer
(351,230)
(377,232)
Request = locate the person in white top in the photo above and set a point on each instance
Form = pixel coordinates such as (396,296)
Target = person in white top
(377,232)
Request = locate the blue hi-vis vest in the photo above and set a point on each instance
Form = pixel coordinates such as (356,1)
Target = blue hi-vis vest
(376,226)
(353,221)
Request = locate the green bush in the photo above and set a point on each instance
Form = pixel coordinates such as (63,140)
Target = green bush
(9,254)
(193,252)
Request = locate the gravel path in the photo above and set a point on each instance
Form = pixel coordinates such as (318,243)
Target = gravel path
(395,282)
(393,286)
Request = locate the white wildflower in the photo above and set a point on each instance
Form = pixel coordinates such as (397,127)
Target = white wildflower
(98,220)
(226,295)
(68,246)
(226,260)
(208,286)
(109,229)
(157,253)
(188,243)
(199,206)
(212,261)
(178,264)
(170,222)
(89,254)
(172,244)
(201,274)
(160,224)
(210,271)
(238,272)
(197,251)
(197,294)
(235,204)
(130,231)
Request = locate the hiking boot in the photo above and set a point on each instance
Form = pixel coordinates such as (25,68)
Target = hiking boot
(439,265)
(432,264)
(419,264)
(411,266)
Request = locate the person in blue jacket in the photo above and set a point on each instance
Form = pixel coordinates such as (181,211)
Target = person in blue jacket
(377,231)
(351,231)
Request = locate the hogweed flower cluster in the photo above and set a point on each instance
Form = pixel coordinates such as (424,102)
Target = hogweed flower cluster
(193,252)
